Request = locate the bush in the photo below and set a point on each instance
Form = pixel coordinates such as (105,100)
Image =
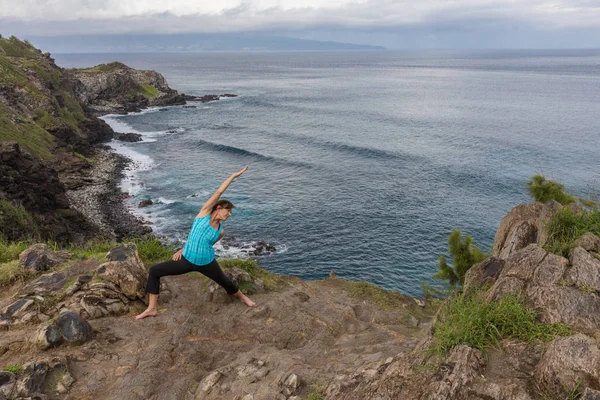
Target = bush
(566,226)
(15,368)
(472,321)
(543,190)
(151,251)
(464,255)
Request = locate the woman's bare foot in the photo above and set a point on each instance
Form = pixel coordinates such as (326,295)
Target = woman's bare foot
(247,301)
(150,312)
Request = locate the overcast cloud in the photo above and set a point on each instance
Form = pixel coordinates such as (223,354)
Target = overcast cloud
(376,18)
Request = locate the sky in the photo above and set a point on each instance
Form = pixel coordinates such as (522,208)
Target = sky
(393,24)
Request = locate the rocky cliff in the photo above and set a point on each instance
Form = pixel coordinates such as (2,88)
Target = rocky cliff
(73,332)
(48,131)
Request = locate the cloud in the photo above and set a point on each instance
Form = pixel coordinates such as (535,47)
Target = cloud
(67,16)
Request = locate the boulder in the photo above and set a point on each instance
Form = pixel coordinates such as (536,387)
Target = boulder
(46,284)
(461,368)
(567,361)
(566,304)
(484,273)
(125,270)
(145,203)
(585,270)
(7,384)
(39,257)
(589,242)
(517,230)
(73,328)
(43,379)
(47,337)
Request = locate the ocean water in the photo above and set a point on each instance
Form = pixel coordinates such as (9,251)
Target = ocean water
(361,162)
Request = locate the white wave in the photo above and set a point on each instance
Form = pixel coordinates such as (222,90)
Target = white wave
(131,183)
(200,195)
(145,111)
(166,201)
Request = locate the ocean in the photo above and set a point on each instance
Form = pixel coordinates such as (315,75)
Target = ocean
(360,162)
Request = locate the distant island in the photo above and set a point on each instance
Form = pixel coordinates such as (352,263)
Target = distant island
(186,43)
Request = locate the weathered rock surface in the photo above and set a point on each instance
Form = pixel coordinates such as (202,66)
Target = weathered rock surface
(39,257)
(568,361)
(28,182)
(517,230)
(116,88)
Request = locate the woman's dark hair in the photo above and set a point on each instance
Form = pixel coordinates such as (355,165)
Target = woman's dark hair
(224,204)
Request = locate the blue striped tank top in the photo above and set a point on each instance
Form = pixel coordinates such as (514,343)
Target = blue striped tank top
(199,246)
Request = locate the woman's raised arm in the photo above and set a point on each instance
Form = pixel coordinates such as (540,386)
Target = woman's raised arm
(210,203)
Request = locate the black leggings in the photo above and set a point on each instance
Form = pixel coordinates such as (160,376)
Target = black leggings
(183,266)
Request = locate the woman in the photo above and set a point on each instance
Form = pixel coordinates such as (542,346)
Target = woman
(198,253)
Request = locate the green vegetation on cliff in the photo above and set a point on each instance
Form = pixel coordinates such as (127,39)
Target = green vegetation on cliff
(109,67)
(16,222)
(567,225)
(464,255)
(149,91)
(38,98)
(544,190)
(471,320)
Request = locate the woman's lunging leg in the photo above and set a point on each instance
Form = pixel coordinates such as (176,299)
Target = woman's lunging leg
(214,272)
(157,271)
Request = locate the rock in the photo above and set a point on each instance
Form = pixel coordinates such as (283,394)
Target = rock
(504,390)
(125,270)
(128,137)
(18,308)
(207,384)
(565,304)
(73,328)
(46,284)
(215,293)
(550,208)
(589,242)
(47,337)
(462,366)
(484,273)
(32,378)
(145,203)
(590,394)
(292,381)
(585,270)
(517,230)
(567,361)
(7,384)
(39,257)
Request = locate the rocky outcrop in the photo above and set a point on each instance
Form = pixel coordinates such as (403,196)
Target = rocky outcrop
(39,257)
(116,88)
(30,183)
(35,380)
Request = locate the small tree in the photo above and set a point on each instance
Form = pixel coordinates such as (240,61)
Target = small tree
(544,190)
(464,255)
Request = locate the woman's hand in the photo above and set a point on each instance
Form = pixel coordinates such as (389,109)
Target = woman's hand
(240,172)
(177,256)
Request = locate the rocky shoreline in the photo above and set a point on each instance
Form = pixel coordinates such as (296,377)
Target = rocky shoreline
(101,201)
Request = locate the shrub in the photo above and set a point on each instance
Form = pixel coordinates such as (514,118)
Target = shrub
(544,190)
(464,255)
(472,321)
(10,251)
(152,251)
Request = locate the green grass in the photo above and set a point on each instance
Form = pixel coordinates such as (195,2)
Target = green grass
(14,368)
(16,222)
(149,91)
(315,394)
(110,67)
(30,136)
(566,227)
(9,251)
(472,321)
(152,251)
(385,299)
(14,47)
(271,281)
(81,156)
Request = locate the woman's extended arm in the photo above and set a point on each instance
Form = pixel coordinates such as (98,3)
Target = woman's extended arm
(210,203)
